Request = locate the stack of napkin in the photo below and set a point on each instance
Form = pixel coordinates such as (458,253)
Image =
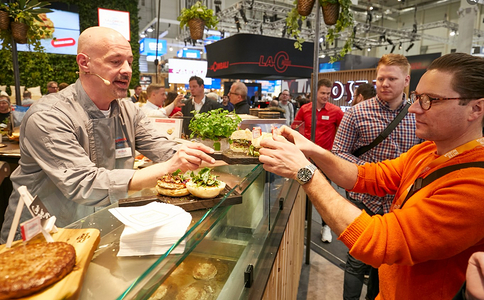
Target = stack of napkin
(151,229)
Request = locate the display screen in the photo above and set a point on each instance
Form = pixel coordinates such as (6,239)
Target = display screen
(180,70)
(62,32)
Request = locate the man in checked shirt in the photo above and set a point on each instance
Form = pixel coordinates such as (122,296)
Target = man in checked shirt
(360,126)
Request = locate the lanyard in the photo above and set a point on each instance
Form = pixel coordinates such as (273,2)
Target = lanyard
(442,159)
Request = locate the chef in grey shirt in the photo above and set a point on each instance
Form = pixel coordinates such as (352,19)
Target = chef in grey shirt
(77,146)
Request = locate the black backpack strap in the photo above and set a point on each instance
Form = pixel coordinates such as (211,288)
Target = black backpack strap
(385,133)
(422,182)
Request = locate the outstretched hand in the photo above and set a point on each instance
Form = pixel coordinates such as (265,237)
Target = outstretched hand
(281,156)
(302,143)
(475,277)
(190,157)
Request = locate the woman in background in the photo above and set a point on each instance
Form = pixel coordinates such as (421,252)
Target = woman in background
(170,97)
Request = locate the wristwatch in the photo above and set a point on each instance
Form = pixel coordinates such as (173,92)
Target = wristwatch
(305,174)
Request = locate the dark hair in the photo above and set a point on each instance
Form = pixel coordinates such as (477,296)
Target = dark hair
(198,79)
(366,90)
(325,82)
(170,97)
(467,71)
(137,86)
(63,85)
(27,94)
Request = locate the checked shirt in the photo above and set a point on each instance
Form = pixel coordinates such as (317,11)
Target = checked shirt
(361,124)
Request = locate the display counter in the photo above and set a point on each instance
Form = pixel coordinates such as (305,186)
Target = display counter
(256,246)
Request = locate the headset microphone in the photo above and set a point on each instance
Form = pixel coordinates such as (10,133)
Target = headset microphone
(106,82)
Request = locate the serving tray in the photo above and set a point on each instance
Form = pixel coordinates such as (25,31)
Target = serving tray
(85,241)
(235,158)
(188,203)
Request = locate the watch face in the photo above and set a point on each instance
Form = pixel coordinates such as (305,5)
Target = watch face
(304,175)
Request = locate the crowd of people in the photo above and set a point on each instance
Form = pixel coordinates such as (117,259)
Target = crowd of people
(410,163)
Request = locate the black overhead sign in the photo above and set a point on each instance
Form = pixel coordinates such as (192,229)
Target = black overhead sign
(251,56)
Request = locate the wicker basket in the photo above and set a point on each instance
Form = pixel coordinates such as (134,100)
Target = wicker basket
(196,28)
(19,32)
(4,20)
(304,7)
(330,13)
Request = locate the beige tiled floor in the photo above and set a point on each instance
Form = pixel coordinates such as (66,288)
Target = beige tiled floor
(321,280)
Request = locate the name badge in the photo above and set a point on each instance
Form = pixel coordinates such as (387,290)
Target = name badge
(325,118)
(123,152)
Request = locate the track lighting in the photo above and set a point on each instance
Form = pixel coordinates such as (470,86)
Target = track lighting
(409,47)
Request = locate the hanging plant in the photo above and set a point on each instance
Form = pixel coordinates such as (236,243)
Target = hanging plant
(344,21)
(25,23)
(196,18)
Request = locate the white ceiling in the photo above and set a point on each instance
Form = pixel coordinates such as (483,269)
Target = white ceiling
(434,19)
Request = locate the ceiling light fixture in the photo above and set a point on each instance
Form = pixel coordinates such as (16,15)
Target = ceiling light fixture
(409,47)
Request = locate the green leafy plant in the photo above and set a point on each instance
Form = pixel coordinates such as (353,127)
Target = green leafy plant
(345,20)
(26,12)
(214,125)
(198,10)
(292,26)
(205,178)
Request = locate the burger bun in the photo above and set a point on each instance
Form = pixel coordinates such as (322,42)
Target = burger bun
(205,192)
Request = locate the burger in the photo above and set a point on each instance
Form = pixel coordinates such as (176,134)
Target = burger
(240,141)
(255,147)
(173,185)
(205,185)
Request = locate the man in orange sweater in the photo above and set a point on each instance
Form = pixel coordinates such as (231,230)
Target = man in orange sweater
(422,246)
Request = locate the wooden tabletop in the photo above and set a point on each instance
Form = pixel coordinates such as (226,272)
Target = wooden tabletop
(9,148)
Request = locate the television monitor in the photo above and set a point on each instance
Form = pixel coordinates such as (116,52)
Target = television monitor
(64,32)
(180,70)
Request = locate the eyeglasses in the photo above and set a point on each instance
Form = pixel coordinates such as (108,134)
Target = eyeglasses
(425,101)
(54,87)
(233,93)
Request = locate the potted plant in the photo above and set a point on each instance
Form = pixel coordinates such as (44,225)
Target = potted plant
(213,128)
(23,14)
(339,10)
(4,17)
(196,18)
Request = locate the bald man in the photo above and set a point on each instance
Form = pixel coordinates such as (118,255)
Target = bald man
(77,146)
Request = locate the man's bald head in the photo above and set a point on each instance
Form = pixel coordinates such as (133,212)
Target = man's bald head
(96,40)
(104,58)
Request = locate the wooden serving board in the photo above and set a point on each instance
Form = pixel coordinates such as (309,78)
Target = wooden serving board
(188,203)
(85,241)
(235,158)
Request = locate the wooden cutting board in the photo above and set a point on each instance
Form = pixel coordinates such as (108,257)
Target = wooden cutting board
(85,241)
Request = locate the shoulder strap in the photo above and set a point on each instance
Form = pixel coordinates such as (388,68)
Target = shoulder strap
(422,182)
(385,133)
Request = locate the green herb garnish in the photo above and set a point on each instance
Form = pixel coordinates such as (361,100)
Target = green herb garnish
(205,178)
(214,125)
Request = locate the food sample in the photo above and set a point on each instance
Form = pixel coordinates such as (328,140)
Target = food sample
(255,147)
(240,140)
(205,185)
(173,185)
(204,271)
(159,293)
(25,270)
(195,291)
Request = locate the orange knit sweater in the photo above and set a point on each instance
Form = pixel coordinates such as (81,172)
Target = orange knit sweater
(421,249)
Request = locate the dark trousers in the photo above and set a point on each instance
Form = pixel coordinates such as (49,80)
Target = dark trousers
(355,271)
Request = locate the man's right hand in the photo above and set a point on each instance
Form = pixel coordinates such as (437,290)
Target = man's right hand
(305,145)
